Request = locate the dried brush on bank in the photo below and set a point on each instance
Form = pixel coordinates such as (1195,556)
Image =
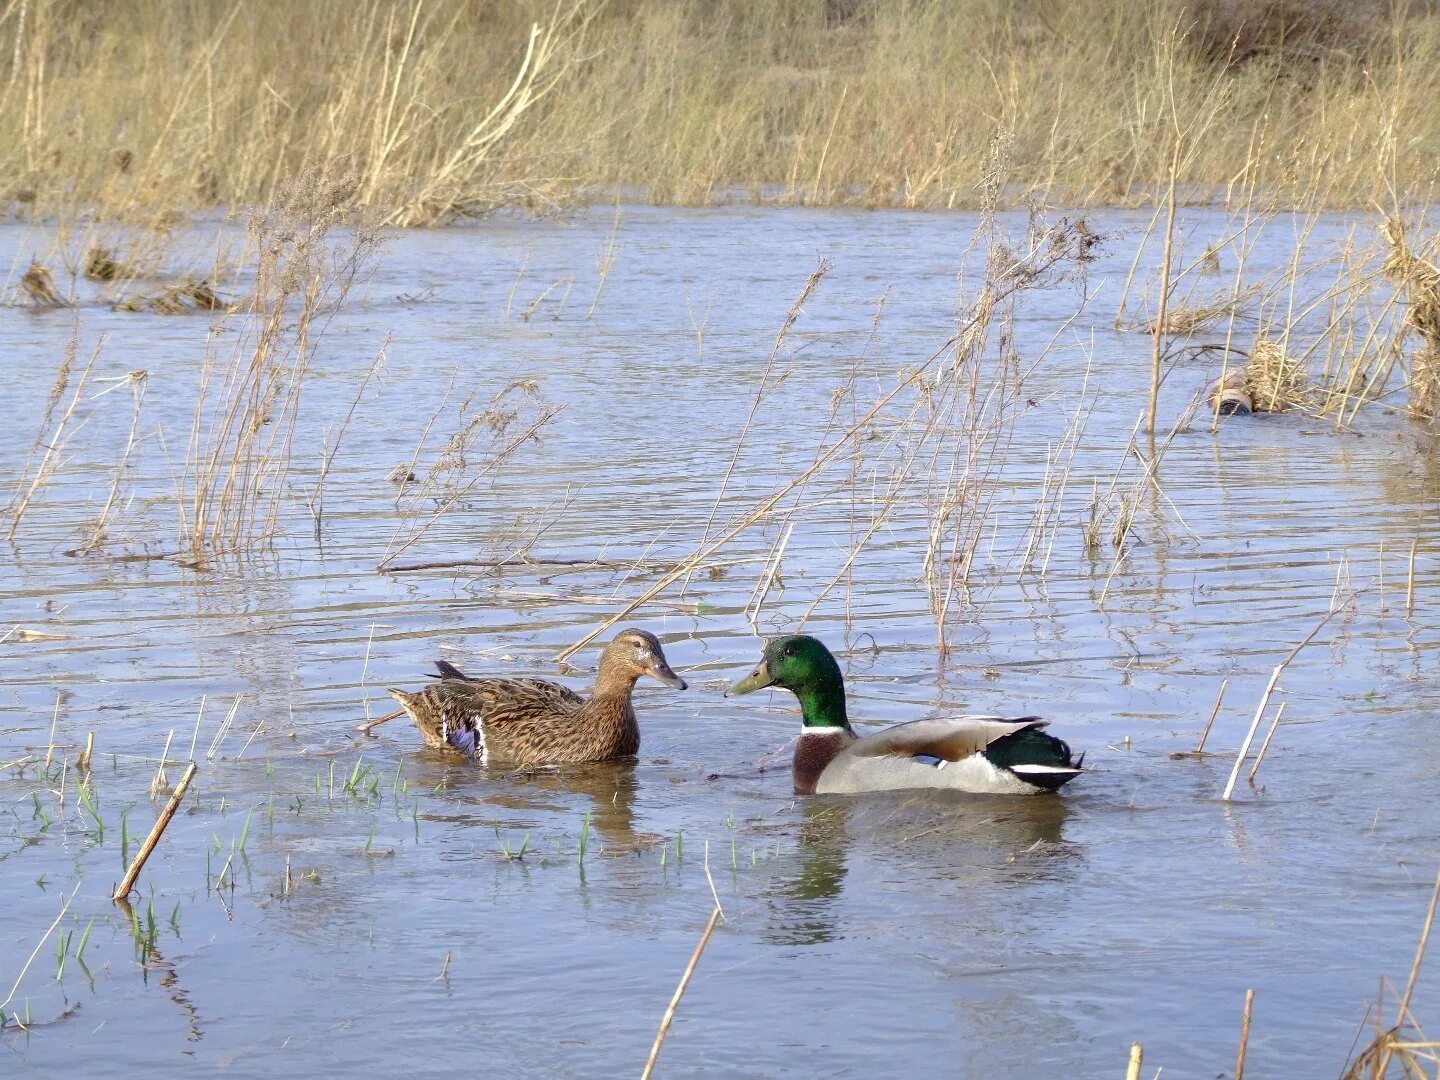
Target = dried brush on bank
(1420,278)
(39,285)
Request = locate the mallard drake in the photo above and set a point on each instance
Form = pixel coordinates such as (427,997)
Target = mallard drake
(1001,755)
(537,722)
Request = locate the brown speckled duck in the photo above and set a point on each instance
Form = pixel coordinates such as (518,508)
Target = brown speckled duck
(536,722)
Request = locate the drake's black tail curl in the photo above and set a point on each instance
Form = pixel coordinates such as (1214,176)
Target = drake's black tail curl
(1036,758)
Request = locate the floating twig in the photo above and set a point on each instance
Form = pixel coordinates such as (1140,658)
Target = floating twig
(370,725)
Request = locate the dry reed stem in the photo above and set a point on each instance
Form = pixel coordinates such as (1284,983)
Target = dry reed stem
(64,907)
(54,443)
(679,993)
(128,882)
(791,316)
(1410,580)
(1244,1036)
(82,763)
(1137,1059)
(1160,319)
(1274,723)
(1265,699)
(1199,750)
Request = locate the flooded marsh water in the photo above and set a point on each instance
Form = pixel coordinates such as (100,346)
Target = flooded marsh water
(325,900)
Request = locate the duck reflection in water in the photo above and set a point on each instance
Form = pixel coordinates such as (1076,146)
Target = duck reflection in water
(968,840)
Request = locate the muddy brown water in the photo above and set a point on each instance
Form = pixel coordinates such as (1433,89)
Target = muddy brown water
(890,935)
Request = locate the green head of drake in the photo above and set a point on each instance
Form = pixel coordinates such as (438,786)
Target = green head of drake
(801,664)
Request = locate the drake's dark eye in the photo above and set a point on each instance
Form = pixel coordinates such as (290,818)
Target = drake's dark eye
(789,650)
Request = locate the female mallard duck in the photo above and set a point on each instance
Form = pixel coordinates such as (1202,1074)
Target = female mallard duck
(962,753)
(535,722)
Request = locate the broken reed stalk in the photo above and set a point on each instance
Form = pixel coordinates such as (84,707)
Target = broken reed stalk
(128,883)
(1275,723)
(1244,1035)
(1164,291)
(1199,750)
(1137,1058)
(50,749)
(679,993)
(83,763)
(1214,712)
(1265,700)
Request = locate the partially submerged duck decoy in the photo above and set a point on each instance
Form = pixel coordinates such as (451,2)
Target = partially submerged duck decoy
(537,722)
(1009,756)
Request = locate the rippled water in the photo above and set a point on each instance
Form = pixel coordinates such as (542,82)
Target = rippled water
(926,936)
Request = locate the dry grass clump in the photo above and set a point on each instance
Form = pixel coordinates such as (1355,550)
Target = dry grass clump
(1420,279)
(101,265)
(39,285)
(178,299)
(1274,380)
(1183,319)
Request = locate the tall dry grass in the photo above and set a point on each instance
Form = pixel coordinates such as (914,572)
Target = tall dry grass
(445,108)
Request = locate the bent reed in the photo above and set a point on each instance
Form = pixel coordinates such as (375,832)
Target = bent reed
(445,109)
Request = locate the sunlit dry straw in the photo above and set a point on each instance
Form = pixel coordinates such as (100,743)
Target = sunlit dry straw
(83,762)
(50,749)
(128,882)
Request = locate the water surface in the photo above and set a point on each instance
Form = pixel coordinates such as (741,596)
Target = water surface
(897,934)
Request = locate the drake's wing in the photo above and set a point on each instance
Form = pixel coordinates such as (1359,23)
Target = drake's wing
(952,738)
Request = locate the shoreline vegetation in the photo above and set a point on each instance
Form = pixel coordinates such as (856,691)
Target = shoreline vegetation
(437,109)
